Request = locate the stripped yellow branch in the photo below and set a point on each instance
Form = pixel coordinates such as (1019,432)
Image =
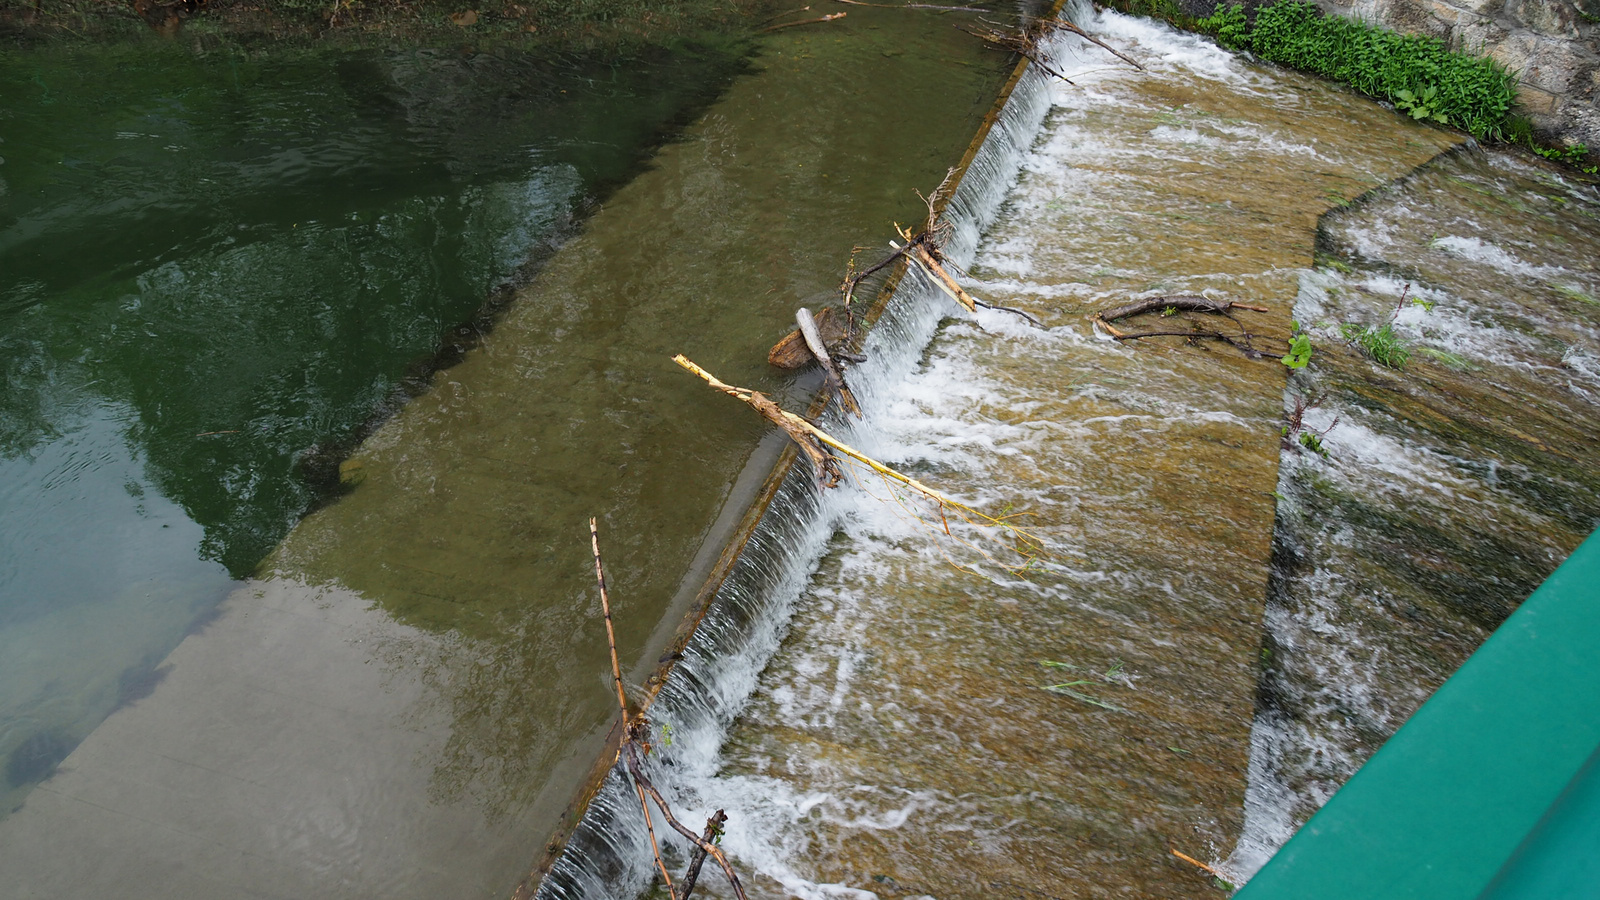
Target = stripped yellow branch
(1031,546)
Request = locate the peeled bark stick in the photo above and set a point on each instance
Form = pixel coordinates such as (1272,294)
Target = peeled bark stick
(792,423)
(826,467)
(942,278)
(835,378)
(793,353)
(611,634)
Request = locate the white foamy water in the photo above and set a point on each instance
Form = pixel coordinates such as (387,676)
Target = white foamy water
(1448,492)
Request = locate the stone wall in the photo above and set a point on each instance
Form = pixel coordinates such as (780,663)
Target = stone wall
(1552,45)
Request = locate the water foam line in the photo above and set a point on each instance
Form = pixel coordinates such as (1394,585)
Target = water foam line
(747,616)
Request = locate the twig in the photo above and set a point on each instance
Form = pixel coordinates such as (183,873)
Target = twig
(1068,26)
(711,849)
(622,704)
(713,829)
(1197,863)
(1184,302)
(605,607)
(1028,545)
(827,18)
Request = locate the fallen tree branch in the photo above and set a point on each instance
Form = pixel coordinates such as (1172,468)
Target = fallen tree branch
(827,18)
(799,430)
(704,845)
(1064,25)
(622,703)
(633,730)
(1181,302)
(1027,545)
(713,831)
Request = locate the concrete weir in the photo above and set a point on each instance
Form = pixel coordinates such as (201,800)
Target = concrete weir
(900,742)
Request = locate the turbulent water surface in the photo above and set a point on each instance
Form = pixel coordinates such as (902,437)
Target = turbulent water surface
(1248,578)
(1212,642)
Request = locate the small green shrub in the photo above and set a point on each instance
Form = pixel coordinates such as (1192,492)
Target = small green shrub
(1419,74)
(1380,344)
(1299,349)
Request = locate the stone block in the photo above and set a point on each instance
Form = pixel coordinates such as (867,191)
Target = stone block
(1479,36)
(1557,18)
(1514,51)
(1580,122)
(1535,103)
(1556,66)
(1411,17)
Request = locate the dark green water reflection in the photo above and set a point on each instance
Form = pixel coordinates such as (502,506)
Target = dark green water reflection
(215,274)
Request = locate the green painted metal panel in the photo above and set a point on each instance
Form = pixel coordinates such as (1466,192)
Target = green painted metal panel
(1438,811)
(1561,856)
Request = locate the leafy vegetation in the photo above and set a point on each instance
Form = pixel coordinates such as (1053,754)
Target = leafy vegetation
(1299,349)
(1380,344)
(1419,74)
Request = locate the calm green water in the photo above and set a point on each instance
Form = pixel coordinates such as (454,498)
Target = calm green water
(402,699)
(215,274)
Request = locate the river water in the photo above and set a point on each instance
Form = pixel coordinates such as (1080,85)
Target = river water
(402,696)
(222,275)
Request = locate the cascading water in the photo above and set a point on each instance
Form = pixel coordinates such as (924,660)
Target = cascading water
(899,744)
(609,853)
(1453,484)
(874,719)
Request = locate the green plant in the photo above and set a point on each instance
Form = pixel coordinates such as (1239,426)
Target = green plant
(1420,106)
(1299,348)
(1068,688)
(1312,441)
(1380,344)
(1447,359)
(1419,74)
(1169,311)
(1572,154)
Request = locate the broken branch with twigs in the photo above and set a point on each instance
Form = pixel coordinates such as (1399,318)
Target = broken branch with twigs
(1168,306)
(827,18)
(634,729)
(1025,42)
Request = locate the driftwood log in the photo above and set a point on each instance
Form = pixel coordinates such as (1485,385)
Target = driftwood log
(793,353)
(1243,341)
(834,384)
